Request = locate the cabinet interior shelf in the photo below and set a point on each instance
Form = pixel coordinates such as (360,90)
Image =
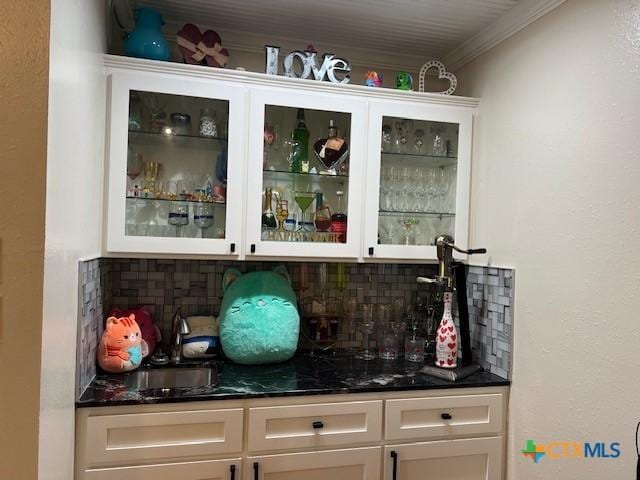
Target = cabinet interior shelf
(396,213)
(431,160)
(284,175)
(145,200)
(144,137)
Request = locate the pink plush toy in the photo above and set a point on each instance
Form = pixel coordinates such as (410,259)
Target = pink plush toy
(121,347)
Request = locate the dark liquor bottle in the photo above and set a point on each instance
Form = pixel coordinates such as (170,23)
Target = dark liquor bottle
(339,220)
(333,150)
(268,218)
(300,154)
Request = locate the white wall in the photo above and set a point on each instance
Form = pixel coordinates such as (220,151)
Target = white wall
(556,192)
(77,98)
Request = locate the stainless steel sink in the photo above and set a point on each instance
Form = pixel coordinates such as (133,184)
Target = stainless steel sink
(165,378)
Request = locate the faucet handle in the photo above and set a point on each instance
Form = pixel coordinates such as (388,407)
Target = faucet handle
(426,280)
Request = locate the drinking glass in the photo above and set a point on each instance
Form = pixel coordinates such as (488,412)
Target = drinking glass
(414,349)
(408,223)
(150,170)
(368,326)
(389,339)
(202,216)
(387,139)
(421,191)
(178,215)
(419,147)
(350,318)
(304,201)
(282,213)
(439,144)
(323,219)
(400,142)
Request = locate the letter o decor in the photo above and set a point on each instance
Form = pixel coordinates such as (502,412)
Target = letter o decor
(442,74)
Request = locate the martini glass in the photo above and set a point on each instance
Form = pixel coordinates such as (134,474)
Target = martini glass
(304,201)
(408,223)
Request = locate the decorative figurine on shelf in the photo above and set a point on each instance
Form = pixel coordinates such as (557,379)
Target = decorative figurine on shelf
(373,79)
(121,347)
(331,65)
(404,81)
(442,75)
(201,48)
(259,321)
(146,40)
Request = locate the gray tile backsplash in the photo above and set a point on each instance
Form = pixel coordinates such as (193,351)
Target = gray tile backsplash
(196,286)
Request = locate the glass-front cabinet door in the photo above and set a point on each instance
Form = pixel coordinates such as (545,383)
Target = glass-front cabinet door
(305,176)
(417,179)
(176,154)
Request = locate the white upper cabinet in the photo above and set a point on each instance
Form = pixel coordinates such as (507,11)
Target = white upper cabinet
(417,179)
(306,159)
(225,164)
(176,160)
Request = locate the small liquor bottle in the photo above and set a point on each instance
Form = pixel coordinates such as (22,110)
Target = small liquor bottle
(339,220)
(268,218)
(447,337)
(331,151)
(300,135)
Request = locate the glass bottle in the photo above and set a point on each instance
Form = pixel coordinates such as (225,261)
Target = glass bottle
(339,220)
(300,136)
(268,218)
(447,337)
(331,151)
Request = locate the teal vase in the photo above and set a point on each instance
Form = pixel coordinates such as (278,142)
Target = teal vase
(147,40)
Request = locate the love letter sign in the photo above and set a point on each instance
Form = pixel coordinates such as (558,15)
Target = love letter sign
(300,64)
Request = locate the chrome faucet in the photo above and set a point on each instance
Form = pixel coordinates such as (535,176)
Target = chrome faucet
(179,328)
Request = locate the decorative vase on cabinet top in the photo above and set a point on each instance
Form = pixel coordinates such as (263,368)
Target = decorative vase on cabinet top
(147,40)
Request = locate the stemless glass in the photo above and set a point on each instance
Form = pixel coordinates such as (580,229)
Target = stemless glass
(368,326)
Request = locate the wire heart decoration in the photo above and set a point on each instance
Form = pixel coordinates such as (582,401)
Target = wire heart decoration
(442,74)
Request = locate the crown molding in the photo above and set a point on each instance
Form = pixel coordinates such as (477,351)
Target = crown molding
(129,64)
(514,20)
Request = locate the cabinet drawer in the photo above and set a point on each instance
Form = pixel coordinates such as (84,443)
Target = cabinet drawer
(443,416)
(229,469)
(140,437)
(325,424)
(348,464)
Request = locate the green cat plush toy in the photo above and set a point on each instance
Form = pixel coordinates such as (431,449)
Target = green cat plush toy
(259,321)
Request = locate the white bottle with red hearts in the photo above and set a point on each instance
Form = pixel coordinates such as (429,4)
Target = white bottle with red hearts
(447,337)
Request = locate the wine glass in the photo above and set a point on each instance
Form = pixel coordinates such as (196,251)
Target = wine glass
(368,327)
(439,145)
(203,216)
(282,213)
(387,138)
(178,215)
(304,201)
(400,142)
(408,223)
(419,147)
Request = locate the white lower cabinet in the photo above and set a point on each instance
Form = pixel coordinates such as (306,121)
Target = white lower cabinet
(464,459)
(458,435)
(348,464)
(227,469)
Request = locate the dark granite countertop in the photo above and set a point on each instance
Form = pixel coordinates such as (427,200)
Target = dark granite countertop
(302,375)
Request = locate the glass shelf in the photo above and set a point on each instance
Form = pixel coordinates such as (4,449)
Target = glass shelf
(284,175)
(145,137)
(143,199)
(395,213)
(433,160)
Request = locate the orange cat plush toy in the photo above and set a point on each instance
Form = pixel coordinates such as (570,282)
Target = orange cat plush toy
(121,347)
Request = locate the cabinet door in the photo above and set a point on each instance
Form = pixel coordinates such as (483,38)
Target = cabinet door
(350,464)
(417,174)
(175,165)
(470,459)
(306,157)
(205,470)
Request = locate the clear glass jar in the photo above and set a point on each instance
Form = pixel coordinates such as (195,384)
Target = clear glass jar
(208,123)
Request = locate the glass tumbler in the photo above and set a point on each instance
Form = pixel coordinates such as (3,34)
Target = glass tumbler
(414,349)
